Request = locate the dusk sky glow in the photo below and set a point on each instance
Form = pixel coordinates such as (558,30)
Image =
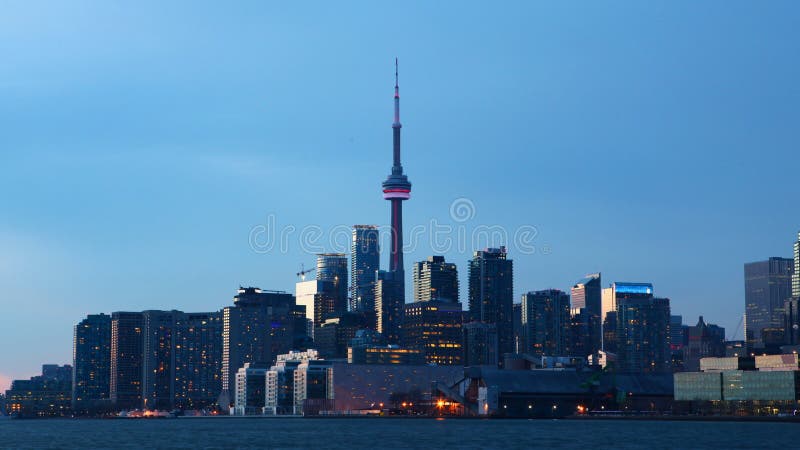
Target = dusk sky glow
(142,142)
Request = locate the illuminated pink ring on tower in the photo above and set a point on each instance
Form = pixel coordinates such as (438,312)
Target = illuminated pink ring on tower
(403,194)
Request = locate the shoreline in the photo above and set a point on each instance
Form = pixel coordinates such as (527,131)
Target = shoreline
(590,418)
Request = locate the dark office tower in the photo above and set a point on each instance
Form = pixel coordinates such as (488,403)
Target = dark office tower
(703,340)
(491,292)
(642,329)
(796,268)
(676,339)
(334,335)
(364,263)
(767,285)
(126,360)
(332,267)
(389,305)
(480,344)
(198,360)
(91,364)
(587,294)
(610,332)
(791,314)
(434,327)
(579,338)
(435,279)
(258,327)
(546,323)
(517,326)
(158,359)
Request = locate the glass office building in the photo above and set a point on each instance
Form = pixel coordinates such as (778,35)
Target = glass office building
(767,285)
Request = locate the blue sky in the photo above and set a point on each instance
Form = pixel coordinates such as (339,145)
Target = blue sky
(141,142)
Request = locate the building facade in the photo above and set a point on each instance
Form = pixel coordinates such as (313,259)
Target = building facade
(434,327)
(586,295)
(250,390)
(259,326)
(332,267)
(702,340)
(480,344)
(91,364)
(198,360)
(125,385)
(642,329)
(364,264)
(767,285)
(546,323)
(796,269)
(46,395)
(389,305)
(435,279)
(299,381)
(491,292)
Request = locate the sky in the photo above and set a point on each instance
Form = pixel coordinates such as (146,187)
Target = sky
(152,154)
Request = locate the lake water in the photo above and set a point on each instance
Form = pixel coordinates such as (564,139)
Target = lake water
(392,433)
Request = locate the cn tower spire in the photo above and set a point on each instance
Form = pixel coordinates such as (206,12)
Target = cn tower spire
(396,188)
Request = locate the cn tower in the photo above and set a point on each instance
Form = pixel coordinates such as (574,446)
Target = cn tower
(396,188)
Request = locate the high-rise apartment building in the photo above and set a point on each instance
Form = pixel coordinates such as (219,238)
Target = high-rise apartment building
(364,264)
(587,296)
(125,385)
(642,329)
(491,292)
(198,360)
(796,269)
(332,267)
(435,279)
(259,326)
(546,323)
(389,305)
(91,364)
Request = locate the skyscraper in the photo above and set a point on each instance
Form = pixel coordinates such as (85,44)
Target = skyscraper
(389,305)
(491,292)
(125,384)
(364,263)
(319,298)
(198,359)
(546,323)
(332,267)
(587,295)
(642,329)
(435,279)
(258,327)
(767,285)
(158,359)
(397,189)
(796,269)
(91,363)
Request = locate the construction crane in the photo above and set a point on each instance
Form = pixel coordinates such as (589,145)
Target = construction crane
(303,272)
(738,327)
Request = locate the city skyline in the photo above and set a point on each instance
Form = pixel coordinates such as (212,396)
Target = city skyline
(100,222)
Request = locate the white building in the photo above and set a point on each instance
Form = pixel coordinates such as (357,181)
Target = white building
(295,378)
(250,392)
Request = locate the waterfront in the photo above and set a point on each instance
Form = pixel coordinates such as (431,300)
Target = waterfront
(390,433)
